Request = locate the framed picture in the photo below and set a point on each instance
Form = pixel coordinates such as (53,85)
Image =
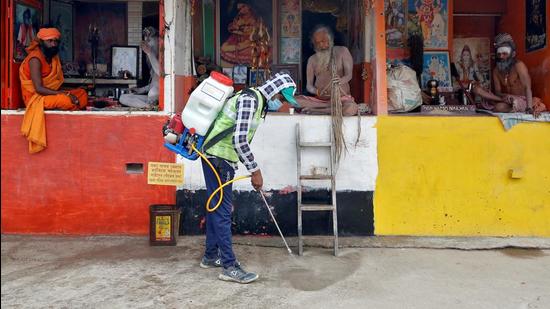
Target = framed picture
(61,16)
(228,72)
(290,50)
(472,58)
(238,20)
(535,28)
(438,67)
(26,21)
(239,74)
(432,17)
(255,77)
(396,23)
(124,59)
(290,69)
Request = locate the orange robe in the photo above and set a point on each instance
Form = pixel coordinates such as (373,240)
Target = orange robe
(34,122)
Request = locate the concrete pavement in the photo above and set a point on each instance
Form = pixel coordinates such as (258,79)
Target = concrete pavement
(125,272)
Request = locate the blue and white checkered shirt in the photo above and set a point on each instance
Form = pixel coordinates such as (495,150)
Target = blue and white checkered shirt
(246,108)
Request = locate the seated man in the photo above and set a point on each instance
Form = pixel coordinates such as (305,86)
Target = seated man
(512,83)
(320,77)
(41,78)
(147,96)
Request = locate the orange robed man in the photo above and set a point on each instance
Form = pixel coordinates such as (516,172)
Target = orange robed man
(41,78)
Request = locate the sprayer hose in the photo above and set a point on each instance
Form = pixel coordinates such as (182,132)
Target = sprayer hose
(220,185)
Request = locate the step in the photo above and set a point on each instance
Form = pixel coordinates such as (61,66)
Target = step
(316,207)
(315,177)
(315,144)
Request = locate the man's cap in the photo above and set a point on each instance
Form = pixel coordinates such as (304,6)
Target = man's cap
(48,34)
(504,39)
(288,93)
(276,84)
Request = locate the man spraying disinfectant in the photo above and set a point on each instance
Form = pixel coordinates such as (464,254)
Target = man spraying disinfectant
(222,145)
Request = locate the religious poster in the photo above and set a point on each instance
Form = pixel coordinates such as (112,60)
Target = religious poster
(535,36)
(431,17)
(472,58)
(27,22)
(396,23)
(239,22)
(290,50)
(61,16)
(290,24)
(438,67)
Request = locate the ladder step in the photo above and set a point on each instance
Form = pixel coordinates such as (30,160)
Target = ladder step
(315,144)
(316,207)
(315,177)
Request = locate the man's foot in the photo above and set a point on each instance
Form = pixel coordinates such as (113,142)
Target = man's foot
(210,263)
(237,274)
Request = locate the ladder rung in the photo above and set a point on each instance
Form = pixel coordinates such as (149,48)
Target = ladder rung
(315,177)
(316,207)
(315,144)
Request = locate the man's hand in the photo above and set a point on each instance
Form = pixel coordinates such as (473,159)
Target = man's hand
(145,47)
(532,111)
(257,180)
(74,99)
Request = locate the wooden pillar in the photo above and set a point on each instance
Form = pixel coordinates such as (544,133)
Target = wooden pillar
(380,105)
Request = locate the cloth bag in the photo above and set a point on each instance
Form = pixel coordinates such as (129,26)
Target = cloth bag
(404,94)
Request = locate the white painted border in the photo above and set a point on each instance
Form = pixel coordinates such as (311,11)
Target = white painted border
(274,147)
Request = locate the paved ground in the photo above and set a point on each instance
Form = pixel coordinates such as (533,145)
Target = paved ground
(125,272)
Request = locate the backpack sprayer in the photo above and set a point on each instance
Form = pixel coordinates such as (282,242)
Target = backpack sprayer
(185,133)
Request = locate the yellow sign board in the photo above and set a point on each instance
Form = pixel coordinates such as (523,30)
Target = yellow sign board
(161,173)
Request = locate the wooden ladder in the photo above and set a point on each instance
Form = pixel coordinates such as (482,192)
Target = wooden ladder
(300,145)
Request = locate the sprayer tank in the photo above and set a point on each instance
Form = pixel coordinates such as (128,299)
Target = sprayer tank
(206,102)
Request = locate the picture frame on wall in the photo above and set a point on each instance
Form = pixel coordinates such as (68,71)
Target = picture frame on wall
(237,21)
(535,27)
(437,66)
(255,77)
(61,17)
(124,59)
(432,20)
(239,74)
(291,69)
(26,23)
(472,58)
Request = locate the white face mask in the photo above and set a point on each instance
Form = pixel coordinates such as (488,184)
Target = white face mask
(274,105)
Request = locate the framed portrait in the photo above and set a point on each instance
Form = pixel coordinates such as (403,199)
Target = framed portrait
(255,77)
(396,23)
(290,50)
(228,72)
(61,16)
(438,67)
(124,58)
(535,28)
(433,20)
(238,20)
(472,58)
(239,74)
(27,22)
(290,69)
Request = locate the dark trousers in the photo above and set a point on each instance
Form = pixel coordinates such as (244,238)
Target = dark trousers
(218,223)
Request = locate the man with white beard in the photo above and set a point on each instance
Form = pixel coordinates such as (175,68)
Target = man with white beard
(512,82)
(319,75)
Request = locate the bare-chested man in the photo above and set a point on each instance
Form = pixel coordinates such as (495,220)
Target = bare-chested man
(512,82)
(319,75)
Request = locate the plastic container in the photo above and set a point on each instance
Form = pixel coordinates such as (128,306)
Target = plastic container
(206,102)
(164,225)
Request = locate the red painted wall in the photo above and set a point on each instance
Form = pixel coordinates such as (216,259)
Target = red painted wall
(538,61)
(79,184)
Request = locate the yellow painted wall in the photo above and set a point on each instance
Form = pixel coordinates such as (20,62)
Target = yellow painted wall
(449,176)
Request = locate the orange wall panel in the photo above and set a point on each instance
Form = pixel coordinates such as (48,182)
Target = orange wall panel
(79,184)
